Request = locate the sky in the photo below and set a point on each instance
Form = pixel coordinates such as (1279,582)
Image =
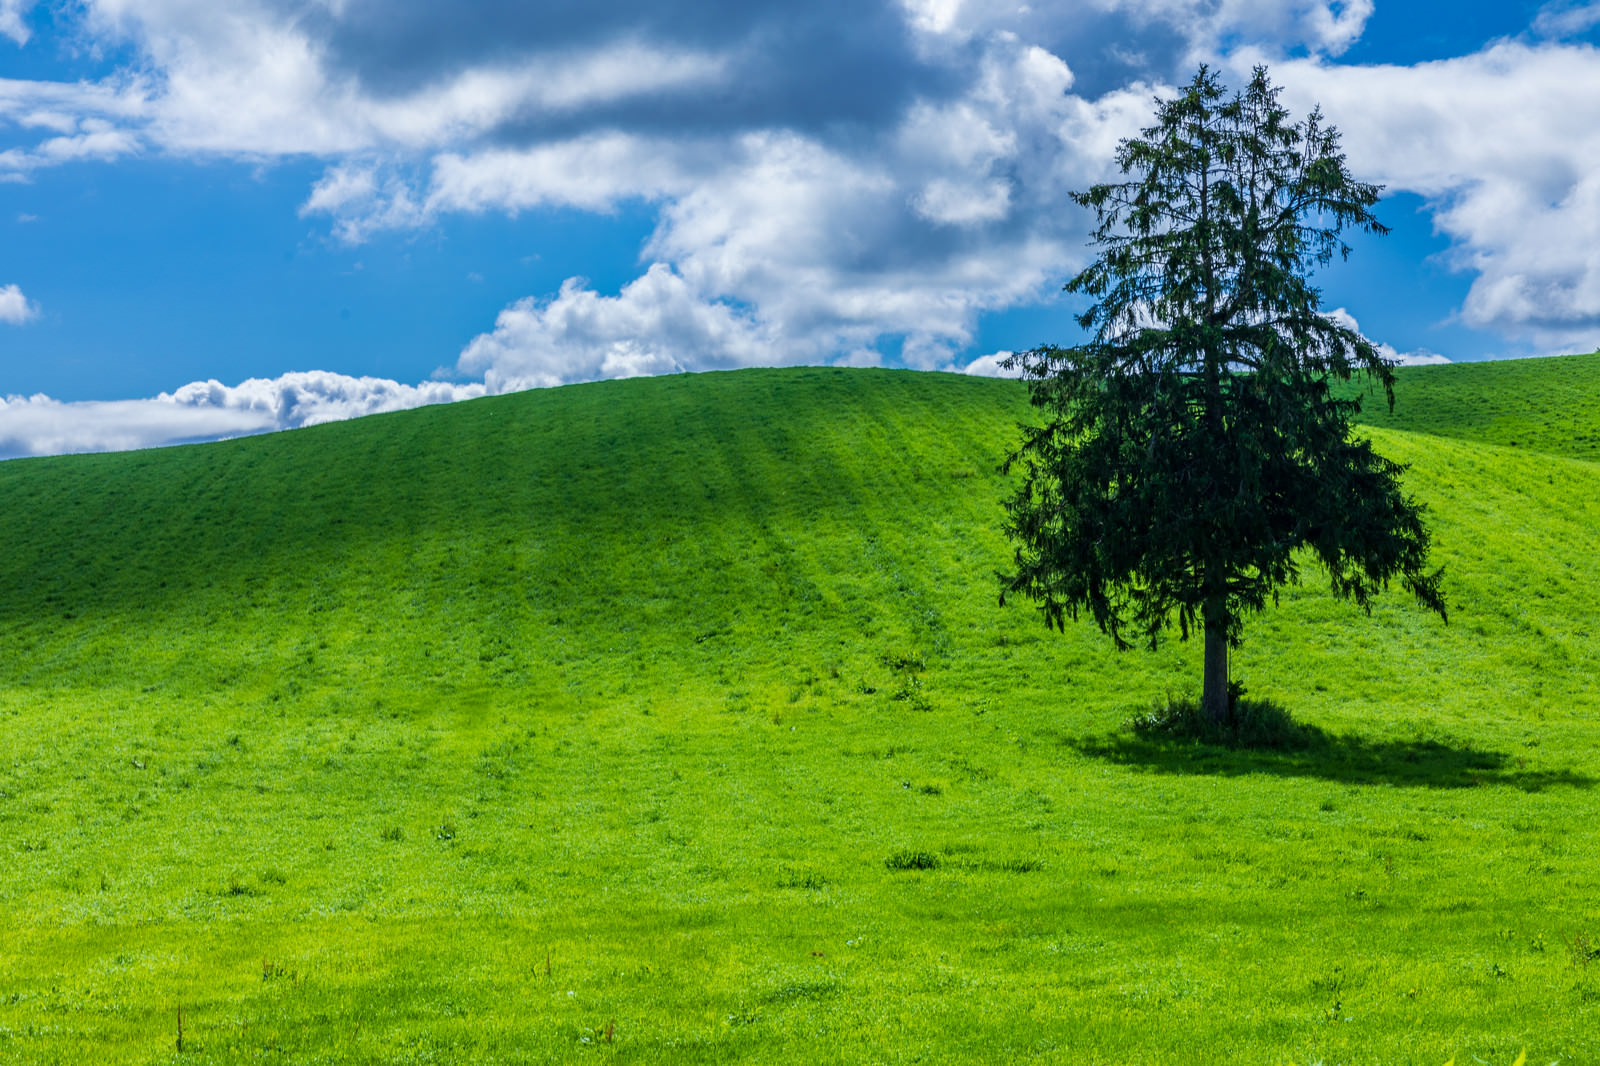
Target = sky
(223,217)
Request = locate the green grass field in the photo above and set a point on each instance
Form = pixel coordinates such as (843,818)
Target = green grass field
(675,720)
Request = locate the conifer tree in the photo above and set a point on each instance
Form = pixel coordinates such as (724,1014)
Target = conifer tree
(1195,448)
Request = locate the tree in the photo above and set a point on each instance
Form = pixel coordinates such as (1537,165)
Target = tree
(1195,448)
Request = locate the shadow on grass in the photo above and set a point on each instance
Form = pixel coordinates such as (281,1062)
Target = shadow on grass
(1265,739)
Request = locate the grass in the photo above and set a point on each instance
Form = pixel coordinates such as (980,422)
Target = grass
(1255,724)
(1543,405)
(675,720)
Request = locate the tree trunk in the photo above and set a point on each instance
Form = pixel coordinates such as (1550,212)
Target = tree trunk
(1214,691)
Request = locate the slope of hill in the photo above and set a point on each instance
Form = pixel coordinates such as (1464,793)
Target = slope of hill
(676,720)
(1547,405)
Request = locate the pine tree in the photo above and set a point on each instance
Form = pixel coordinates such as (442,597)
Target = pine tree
(1195,448)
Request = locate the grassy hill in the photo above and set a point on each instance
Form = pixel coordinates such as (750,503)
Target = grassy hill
(1545,405)
(675,720)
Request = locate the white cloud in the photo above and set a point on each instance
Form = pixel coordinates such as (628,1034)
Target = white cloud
(15,307)
(594,171)
(963,204)
(779,248)
(341,188)
(360,205)
(860,358)
(1208,27)
(655,325)
(207,410)
(1327,27)
(935,16)
(1503,145)
(310,397)
(90,122)
(39,425)
(11,20)
(96,139)
(992,366)
(59,106)
(252,78)
(1566,19)
(479,99)
(59,121)
(957,212)
(1420,357)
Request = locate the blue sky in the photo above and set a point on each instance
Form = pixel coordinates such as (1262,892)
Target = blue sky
(227,216)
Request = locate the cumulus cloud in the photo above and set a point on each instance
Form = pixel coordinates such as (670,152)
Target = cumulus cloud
(207,410)
(655,325)
(15,308)
(778,247)
(1502,143)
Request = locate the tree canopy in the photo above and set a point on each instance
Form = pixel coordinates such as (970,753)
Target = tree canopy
(1195,446)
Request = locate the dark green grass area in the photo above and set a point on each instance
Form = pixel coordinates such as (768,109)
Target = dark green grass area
(676,720)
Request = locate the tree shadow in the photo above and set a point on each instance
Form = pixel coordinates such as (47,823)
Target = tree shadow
(1155,743)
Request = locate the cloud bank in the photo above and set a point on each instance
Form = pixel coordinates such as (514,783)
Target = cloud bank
(207,410)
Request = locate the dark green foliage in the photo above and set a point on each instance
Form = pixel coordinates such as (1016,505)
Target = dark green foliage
(907,859)
(1253,724)
(1196,444)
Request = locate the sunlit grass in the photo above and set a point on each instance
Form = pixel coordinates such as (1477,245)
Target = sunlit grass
(675,720)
